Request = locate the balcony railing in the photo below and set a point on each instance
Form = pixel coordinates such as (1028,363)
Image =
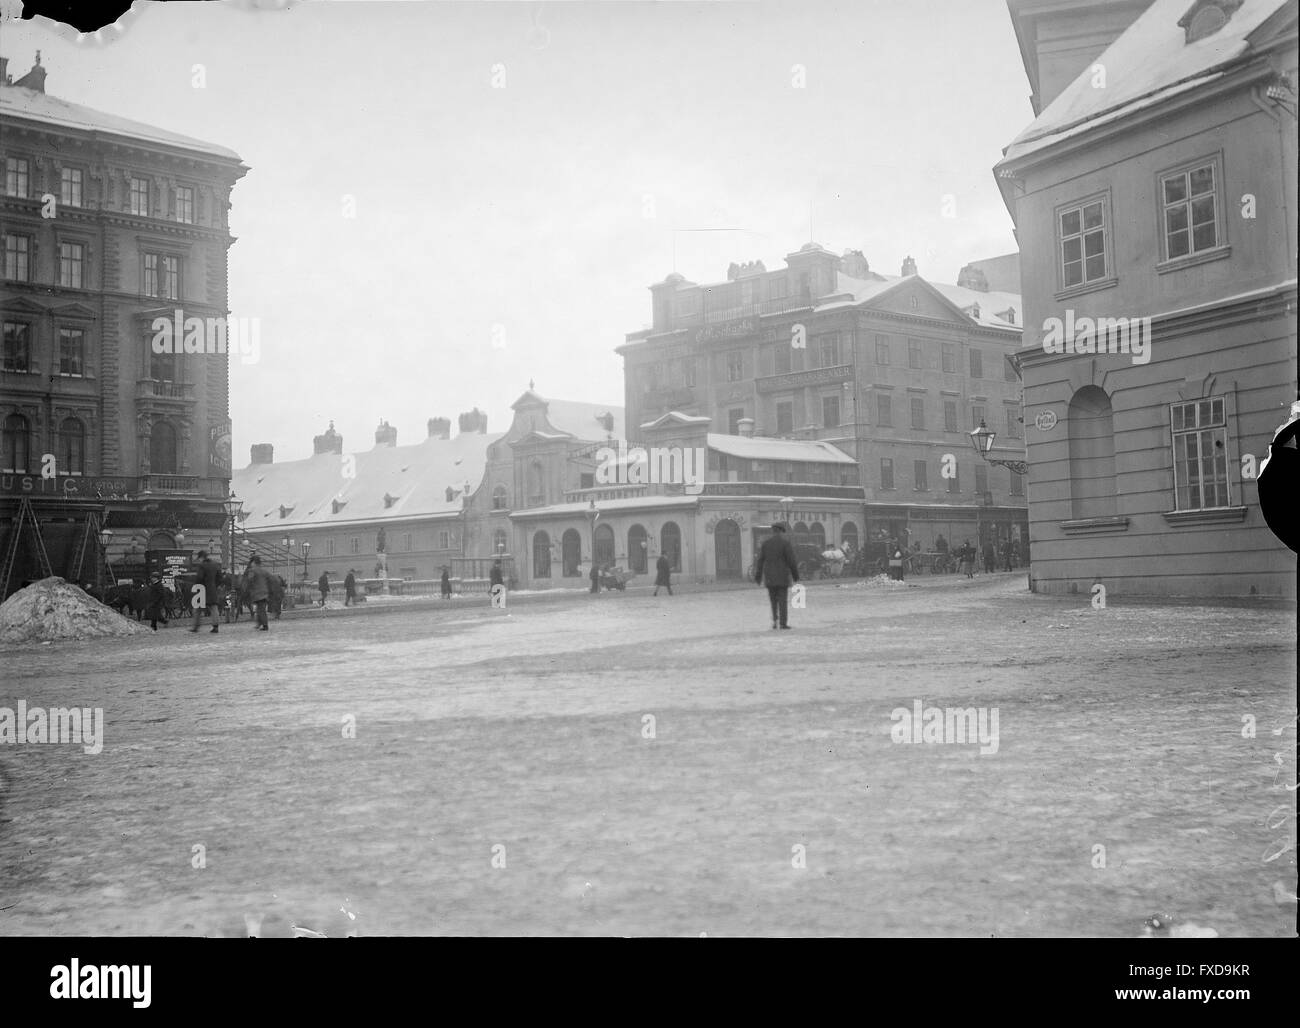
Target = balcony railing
(154,389)
(179,484)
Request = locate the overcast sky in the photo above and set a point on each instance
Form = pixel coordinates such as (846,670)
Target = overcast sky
(548,206)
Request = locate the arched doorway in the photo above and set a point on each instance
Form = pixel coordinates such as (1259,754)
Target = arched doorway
(541,555)
(1092,454)
(637,549)
(571,553)
(849,535)
(604,545)
(726,549)
(670,544)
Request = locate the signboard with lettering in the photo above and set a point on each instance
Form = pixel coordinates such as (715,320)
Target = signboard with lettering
(68,487)
(799,379)
(169,564)
(726,330)
(219,450)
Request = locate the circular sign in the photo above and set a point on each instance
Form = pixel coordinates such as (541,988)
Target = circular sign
(1045,420)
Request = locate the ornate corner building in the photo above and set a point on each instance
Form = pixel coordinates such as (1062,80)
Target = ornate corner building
(114,239)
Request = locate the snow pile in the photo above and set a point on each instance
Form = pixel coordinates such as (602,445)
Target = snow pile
(51,610)
(875,582)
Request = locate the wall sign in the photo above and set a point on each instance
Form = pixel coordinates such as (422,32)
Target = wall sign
(1045,420)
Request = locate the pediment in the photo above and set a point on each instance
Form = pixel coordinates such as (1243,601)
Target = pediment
(916,298)
(73,310)
(22,306)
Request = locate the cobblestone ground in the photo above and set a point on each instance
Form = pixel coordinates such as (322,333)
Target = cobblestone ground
(525,729)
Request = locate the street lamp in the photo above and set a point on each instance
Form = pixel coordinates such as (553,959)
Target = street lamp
(786,503)
(982,439)
(593,515)
(287,542)
(105,537)
(306,549)
(233,506)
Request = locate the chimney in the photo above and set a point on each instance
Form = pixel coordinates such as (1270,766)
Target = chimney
(855,264)
(329,441)
(34,79)
(745,426)
(909,267)
(385,434)
(440,428)
(473,421)
(971,277)
(261,453)
(4,71)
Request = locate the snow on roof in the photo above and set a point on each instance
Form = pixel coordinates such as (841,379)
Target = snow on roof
(1149,62)
(416,477)
(21,102)
(764,448)
(582,420)
(992,306)
(632,503)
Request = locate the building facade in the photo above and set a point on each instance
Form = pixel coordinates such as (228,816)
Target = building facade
(893,370)
(109,228)
(1156,219)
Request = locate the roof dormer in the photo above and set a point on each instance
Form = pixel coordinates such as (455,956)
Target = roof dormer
(1206,17)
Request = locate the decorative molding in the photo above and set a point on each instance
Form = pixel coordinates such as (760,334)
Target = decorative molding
(1095,526)
(1213,515)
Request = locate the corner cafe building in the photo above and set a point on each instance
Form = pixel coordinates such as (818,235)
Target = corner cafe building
(709,537)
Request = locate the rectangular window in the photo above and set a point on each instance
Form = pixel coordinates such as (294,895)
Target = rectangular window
(70,187)
(950,358)
(1083,238)
(185,204)
(915,359)
(17,343)
(140,196)
(162,367)
(170,278)
(954,483)
(921,476)
(444,539)
(586,480)
(784,418)
(18,252)
(151,274)
(1191,211)
(884,409)
(976,363)
(882,350)
(777,287)
(329,548)
(16,176)
(688,373)
(72,258)
(1017,483)
(735,365)
(886,473)
(831,411)
(1200,438)
(1013,423)
(355,544)
(950,415)
(72,351)
(782,359)
(976,415)
(918,413)
(733,420)
(981,479)
(830,351)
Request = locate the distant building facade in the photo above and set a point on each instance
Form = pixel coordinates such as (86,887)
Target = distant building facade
(107,225)
(1161,205)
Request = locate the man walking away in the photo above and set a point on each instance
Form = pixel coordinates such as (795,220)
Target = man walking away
(968,559)
(446,584)
(663,575)
(207,579)
(257,583)
(350,588)
(324,585)
(278,586)
(595,577)
(1006,555)
(155,603)
(777,567)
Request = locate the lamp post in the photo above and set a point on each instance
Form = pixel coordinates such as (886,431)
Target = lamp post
(306,550)
(105,537)
(233,506)
(982,439)
(593,515)
(786,502)
(287,542)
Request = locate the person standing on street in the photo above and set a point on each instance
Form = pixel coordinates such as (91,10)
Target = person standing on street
(777,567)
(207,579)
(257,584)
(350,588)
(324,585)
(278,587)
(446,584)
(156,603)
(663,575)
(595,577)
(494,578)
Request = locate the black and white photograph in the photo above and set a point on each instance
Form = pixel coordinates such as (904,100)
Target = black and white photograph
(629,469)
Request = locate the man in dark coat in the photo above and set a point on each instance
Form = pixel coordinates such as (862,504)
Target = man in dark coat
(207,580)
(278,587)
(156,603)
(323,583)
(663,575)
(777,567)
(446,584)
(257,584)
(350,588)
(595,577)
(495,577)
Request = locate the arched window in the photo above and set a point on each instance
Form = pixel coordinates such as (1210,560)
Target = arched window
(670,544)
(541,555)
(536,484)
(72,447)
(571,553)
(637,549)
(500,499)
(604,545)
(498,542)
(17,444)
(817,534)
(162,449)
(1092,454)
(849,535)
(800,535)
